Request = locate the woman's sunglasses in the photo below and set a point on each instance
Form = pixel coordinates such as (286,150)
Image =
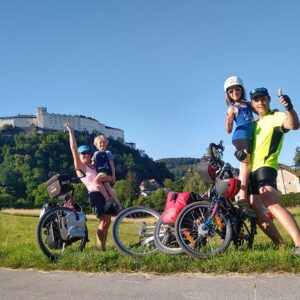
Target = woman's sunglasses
(237,89)
(86,153)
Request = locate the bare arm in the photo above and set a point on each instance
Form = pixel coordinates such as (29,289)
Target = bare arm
(292,120)
(229,119)
(73,146)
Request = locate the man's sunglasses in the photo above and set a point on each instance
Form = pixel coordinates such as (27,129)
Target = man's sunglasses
(237,89)
(261,98)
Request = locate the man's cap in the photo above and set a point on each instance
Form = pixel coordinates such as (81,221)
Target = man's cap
(259,92)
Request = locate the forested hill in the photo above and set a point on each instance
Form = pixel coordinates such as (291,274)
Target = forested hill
(179,166)
(28,159)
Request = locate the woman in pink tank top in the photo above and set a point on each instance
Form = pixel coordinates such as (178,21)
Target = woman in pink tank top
(97,195)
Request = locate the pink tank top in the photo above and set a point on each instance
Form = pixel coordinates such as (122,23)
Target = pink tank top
(88,179)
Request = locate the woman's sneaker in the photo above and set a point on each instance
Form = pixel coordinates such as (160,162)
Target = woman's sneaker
(297,251)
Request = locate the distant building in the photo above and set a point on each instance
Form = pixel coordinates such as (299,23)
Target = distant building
(147,187)
(44,120)
(296,167)
(287,180)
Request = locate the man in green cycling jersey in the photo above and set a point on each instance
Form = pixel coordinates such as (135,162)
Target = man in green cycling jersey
(268,137)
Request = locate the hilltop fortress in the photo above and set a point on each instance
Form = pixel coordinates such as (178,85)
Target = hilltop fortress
(48,121)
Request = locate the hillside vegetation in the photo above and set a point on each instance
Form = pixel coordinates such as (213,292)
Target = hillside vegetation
(29,159)
(179,166)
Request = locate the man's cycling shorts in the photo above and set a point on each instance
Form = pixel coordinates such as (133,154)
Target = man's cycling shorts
(262,177)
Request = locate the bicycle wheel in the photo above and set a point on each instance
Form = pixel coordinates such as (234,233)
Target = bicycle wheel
(165,238)
(49,237)
(199,235)
(133,231)
(245,231)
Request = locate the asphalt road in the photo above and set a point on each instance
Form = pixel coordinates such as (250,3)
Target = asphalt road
(31,284)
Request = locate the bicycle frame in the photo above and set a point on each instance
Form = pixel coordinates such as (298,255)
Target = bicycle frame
(220,213)
(232,212)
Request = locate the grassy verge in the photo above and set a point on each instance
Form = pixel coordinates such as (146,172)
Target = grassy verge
(19,249)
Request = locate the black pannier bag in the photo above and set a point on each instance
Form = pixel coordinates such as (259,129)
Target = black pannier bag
(59,184)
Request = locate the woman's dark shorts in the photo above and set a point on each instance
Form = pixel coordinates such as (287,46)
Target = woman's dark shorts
(97,201)
(243,145)
(262,177)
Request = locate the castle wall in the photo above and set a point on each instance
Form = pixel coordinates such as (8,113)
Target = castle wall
(80,123)
(51,121)
(19,121)
(114,133)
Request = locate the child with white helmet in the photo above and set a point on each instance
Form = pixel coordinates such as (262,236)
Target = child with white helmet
(240,111)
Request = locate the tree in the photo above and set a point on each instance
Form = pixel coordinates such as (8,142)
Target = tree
(11,179)
(168,183)
(297,156)
(82,197)
(132,188)
(193,183)
(158,200)
(40,195)
(119,189)
(129,162)
(176,186)
(7,128)
(7,200)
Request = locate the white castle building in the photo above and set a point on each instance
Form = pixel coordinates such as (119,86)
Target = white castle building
(44,120)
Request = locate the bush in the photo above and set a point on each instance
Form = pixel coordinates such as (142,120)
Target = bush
(7,200)
(289,200)
(22,203)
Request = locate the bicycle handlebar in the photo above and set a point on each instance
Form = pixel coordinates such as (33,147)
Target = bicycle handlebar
(211,150)
(215,152)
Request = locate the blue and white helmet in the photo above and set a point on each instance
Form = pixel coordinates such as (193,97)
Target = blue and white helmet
(231,81)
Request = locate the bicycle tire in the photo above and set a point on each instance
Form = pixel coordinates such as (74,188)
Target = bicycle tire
(165,238)
(55,251)
(246,231)
(199,241)
(133,231)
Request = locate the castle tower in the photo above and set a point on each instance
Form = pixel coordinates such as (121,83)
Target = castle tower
(40,113)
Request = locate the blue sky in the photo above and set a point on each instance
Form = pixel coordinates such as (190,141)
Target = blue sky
(153,68)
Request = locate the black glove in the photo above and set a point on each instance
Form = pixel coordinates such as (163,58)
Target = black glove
(241,155)
(288,106)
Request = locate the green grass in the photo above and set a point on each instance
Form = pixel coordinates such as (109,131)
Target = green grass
(19,249)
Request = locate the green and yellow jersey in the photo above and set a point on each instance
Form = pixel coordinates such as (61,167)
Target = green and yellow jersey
(268,138)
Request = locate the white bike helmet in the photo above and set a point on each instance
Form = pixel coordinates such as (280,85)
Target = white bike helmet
(231,81)
(228,188)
